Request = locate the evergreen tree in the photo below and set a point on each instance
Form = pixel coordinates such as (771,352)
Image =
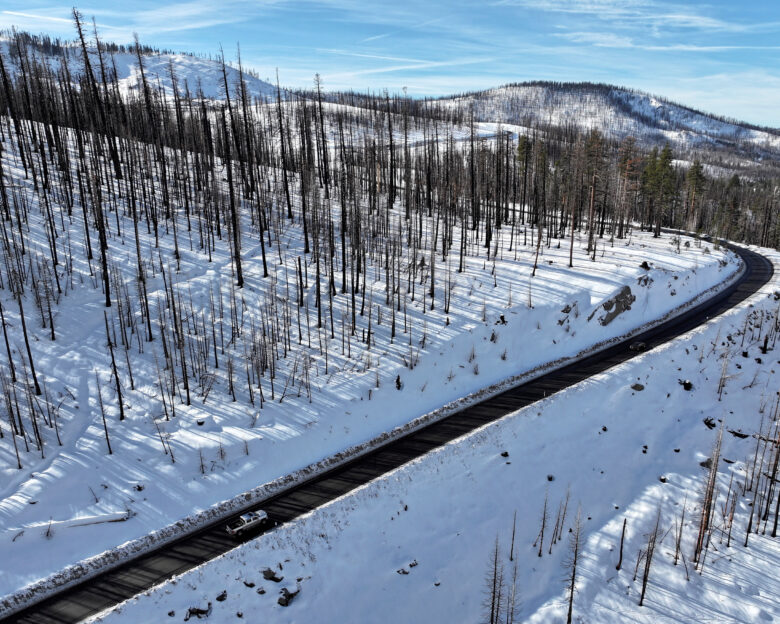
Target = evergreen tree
(665,186)
(694,180)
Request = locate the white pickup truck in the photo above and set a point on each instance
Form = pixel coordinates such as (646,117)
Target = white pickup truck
(245,522)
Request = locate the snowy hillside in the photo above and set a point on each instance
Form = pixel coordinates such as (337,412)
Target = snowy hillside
(617,112)
(170,459)
(202,305)
(418,545)
(199,75)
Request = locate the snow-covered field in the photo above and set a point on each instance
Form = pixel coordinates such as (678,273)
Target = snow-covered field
(417,544)
(72,500)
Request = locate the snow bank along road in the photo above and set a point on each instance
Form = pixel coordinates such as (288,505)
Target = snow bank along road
(114,586)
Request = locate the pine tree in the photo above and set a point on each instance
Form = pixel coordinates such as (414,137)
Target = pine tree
(694,180)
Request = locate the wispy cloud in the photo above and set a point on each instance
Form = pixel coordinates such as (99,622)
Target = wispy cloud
(607,9)
(371,56)
(33,16)
(407,67)
(58,25)
(646,12)
(412,25)
(119,25)
(375,37)
(598,39)
(611,40)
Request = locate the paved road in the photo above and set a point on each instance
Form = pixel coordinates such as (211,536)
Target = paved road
(112,587)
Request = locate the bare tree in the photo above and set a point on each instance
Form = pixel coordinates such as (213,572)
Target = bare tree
(571,563)
(494,586)
(652,540)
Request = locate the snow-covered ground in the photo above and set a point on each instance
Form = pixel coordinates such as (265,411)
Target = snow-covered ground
(174,463)
(171,460)
(417,544)
(414,545)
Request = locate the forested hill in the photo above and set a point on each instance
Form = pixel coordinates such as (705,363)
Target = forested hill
(617,112)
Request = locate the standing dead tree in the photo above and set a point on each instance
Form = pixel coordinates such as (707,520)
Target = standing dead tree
(494,586)
(652,541)
(707,499)
(622,539)
(571,563)
(544,520)
(102,411)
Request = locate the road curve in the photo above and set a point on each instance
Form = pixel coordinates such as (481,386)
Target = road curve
(109,588)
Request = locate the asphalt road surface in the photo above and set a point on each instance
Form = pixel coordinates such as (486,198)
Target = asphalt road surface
(114,586)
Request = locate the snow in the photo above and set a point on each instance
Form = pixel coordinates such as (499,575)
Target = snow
(193,72)
(206,73)
(169,473)
(415,544)
(223,448)
(616,112)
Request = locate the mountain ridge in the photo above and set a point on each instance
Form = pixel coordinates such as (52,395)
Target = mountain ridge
(616,111)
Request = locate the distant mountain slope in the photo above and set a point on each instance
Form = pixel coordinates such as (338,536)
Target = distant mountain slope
(196,72)
(617,112)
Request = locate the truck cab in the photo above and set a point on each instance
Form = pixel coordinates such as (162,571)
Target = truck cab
(245,522)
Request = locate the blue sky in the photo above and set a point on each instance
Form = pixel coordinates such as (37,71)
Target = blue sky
(720,56)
